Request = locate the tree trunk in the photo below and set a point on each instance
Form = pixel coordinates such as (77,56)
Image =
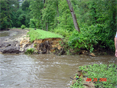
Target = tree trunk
(44,3)
(73,16)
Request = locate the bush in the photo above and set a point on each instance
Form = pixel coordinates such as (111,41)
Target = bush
(23,26)
(91,37)
(102,75)
(29,51)
(86,39)
(32,23)
(14,27)
(62,32)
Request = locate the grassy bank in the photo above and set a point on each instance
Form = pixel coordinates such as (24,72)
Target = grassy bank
(41,34)
(103,76)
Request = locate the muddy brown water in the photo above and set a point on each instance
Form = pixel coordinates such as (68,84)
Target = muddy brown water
(43,70)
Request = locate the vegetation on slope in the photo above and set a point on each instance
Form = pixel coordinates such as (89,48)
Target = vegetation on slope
(41,34)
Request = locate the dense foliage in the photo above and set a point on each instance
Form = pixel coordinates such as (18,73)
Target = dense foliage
(97,73)
(96,19)
(13,14)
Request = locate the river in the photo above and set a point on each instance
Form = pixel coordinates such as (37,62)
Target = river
(43,70)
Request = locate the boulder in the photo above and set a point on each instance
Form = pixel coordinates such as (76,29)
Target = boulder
(10,49)
(24,45)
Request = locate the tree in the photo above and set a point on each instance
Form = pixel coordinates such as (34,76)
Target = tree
(36,7)
(5,14)
(49,13)
(64,16)
(73,16)
(97,19)
(25,5)
(26,12)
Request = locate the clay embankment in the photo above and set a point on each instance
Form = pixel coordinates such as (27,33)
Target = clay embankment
(42,46)
(19,42)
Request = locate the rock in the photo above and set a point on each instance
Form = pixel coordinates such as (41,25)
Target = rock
(24,41)
(24,44)
(10,49)
(7,44)
(92,54)
(27,46)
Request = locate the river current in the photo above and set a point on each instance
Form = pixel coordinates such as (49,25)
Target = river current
(43,70)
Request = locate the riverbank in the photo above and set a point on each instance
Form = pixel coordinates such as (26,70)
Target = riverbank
(9,41)
(38,41)
(30,41)
(96,76)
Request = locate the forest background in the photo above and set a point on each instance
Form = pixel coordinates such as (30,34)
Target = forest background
(96,20)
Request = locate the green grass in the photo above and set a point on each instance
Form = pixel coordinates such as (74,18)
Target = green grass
(41,34)
(99,71)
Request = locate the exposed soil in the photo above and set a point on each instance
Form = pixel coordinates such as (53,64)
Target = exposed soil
(17,40)
(45,46)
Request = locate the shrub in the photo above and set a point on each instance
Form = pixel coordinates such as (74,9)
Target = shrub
(23,26)
(29,51)
(14,27)
(85,39)
(35,45)
(32,23)
(62,32)
(102,75)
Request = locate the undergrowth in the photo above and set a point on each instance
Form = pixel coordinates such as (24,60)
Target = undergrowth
(99,71)
(65,33)
(29,51)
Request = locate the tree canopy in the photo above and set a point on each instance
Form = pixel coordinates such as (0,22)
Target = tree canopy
(96,19)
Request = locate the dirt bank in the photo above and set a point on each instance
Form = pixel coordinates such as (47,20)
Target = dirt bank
(17,41)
